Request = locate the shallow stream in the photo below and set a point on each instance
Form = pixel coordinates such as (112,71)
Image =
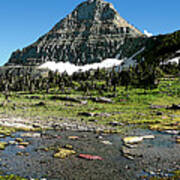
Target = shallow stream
(152,157)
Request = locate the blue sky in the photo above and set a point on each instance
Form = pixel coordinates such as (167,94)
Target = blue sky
(23,22)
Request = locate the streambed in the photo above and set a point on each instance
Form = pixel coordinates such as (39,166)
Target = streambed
(151,157)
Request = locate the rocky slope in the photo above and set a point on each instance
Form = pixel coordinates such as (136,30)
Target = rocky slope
(92,32)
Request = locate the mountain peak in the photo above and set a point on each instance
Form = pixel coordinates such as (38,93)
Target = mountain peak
(92,32)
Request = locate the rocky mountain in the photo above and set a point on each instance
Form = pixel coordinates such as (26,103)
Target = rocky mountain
(93,32)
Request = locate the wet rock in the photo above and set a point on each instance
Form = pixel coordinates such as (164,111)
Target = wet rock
(19,140)
(21,147)
(19,154)
(13,142)
(132,140)
(90,157)
(63,153)
(22,154)
(99,137)
(131,153)
(173,132)
(131,145)
(68,146)
(31,135)
(178,139)
(24,144)
(73,137)
(3,145)
(2,136)
(106,142)
(148,137)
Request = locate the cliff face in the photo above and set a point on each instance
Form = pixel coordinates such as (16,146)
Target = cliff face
(92,32)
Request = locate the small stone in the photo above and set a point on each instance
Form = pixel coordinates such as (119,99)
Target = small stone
(13,142)
(148,137)
(19,139)
(26,154)
(31,135)
(3,145)
(63,153)
(68,146)
(106,142)
(99,137)
(19,154)
(178,139)
(24,143)
(2,136)
(73,137)
(21,147)
(173,132)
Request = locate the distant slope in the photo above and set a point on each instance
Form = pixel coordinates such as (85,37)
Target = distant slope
(157,48)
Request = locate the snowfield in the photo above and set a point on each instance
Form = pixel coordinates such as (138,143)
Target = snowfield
(174,60)
(148,34)
(69,68)
(62,67)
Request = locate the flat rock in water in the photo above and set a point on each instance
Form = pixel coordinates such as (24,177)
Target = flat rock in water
(3,145)
(90,157)
(31,135)
(127,152)
(63,153)
(148,137)
(173,132)
(106,142)
(73,137)
(178,139)
(132,140)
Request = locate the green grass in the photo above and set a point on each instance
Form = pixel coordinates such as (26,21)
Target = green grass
(129,107)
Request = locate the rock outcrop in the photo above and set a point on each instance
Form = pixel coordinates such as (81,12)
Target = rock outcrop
(92,32)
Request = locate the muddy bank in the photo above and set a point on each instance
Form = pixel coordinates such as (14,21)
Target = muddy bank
(152,157)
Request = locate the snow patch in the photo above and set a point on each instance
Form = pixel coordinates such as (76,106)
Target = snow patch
(172,61)
(130,62)
(148,34)
(69,68)
(62,67)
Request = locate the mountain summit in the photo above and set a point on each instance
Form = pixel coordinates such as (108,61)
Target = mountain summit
(92,32)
